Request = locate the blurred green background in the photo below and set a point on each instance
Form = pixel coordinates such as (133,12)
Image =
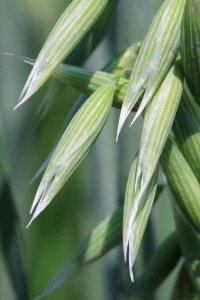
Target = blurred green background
(97,186)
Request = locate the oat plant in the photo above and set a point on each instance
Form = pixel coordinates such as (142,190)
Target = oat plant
(158,81)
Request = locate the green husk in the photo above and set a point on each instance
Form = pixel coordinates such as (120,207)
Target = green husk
(72,26)
(75,143)
(119,66)
(95,35)
(189,46)
(186,130)
(155,57)
(87,81)
(82,51)
(158,119)
(183,182)
(136,214)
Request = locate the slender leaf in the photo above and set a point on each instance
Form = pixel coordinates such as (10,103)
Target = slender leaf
(183,288)
(162,263)
(11,248)
(103,238)
(106,236)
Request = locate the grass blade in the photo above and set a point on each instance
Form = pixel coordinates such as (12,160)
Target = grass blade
(157,269)
(106,236)
(10,243)
(183,288)
(75,22)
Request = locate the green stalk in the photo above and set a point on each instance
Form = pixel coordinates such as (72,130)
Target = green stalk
(183,288)
(10,243)
(189,240)
(163,261)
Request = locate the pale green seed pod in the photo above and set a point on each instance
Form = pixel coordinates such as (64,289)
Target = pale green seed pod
(136,214)
(94,36)
(88,81)
(158,119)
(81,52)
(72,26)
(183,182)
(189,46)
(186,130)
(155,57)
(75,143)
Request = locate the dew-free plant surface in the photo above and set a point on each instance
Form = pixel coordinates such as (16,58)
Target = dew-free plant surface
(156,81)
